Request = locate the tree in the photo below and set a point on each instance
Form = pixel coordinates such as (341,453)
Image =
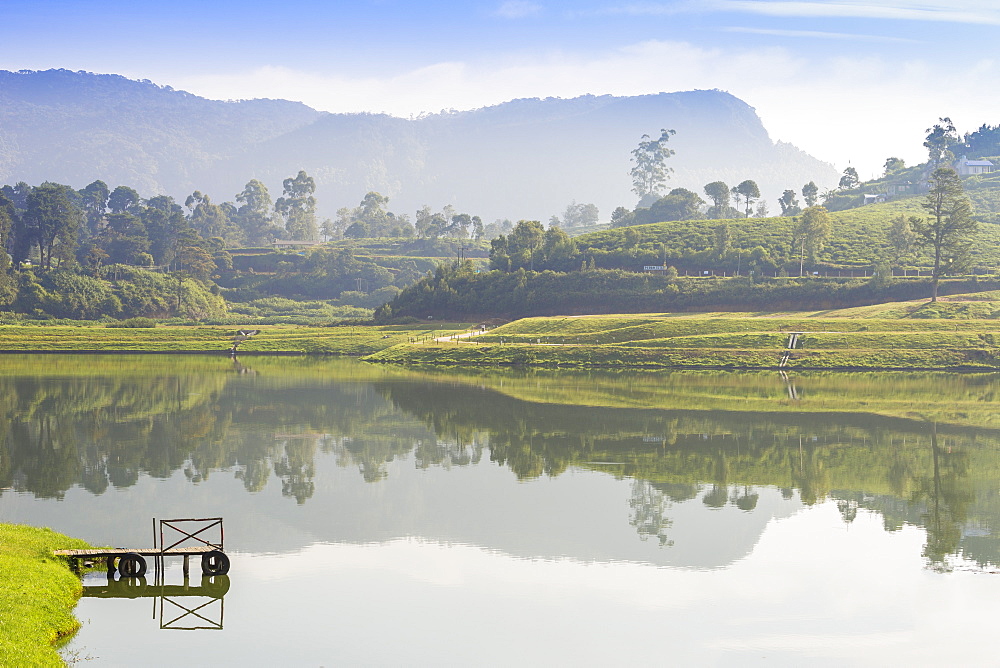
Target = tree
(810,193)
(850,180)
(949,229)
(298,207)
(372,212)
(431,225)
(812,232)
(789,205)
(558,249)
(50,223)
(370,219)
(518,249)
(94,201)
(254,214)
(18,194)
(679,204)
(212,220)
(894,165)
(459,226)
(122,199)
(196,261)
(984,142)
(497,228)
(902,238)
(7,215)
(327,229)
(723,240)
(650,173)
(577,215)
(622,217)
(749,191)
(718,192)
(165,226)
(124,239)
(940,138)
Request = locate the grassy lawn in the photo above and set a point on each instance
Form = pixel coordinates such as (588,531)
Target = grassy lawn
(37,595)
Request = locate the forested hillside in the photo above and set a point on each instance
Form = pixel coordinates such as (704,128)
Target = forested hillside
(522,159)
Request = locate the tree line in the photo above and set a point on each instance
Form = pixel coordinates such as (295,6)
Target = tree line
(944,236)
(99,251)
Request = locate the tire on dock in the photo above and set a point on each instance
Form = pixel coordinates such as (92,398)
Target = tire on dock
(131,565)
(214,563)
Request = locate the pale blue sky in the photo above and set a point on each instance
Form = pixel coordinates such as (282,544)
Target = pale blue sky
(849,81)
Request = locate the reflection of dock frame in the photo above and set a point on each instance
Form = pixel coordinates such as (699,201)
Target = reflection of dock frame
(173,623)
(210,612)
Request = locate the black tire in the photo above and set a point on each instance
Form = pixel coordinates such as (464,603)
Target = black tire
(131,565)
(214,563)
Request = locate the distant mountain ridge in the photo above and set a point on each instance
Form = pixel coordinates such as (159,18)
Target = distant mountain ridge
(526,158)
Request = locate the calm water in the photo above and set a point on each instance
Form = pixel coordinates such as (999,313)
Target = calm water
(383,516)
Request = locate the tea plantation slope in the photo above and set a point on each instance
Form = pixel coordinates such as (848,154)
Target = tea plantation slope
(858,238)
(790,342)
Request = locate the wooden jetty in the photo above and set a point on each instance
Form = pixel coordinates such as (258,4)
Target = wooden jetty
(131,562)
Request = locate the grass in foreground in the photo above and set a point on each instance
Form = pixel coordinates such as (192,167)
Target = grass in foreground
(37,595)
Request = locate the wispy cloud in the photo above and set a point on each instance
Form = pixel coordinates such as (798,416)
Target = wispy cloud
(949,11)
(957,11)
(818,34)
(518,9)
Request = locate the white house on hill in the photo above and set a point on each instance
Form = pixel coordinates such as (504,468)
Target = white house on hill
(966,167)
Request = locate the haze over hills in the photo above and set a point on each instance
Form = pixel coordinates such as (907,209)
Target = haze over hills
(521,159)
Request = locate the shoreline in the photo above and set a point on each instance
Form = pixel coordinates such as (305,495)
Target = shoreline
(38,593)
(419,363)
(427,361)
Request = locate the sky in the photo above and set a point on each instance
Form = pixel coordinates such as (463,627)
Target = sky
(851,82)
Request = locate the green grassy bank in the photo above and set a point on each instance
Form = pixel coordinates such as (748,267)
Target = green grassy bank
(37,595)
(857,339)
(340,340)
(609,356)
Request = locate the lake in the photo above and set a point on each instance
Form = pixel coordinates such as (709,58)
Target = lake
(384,516)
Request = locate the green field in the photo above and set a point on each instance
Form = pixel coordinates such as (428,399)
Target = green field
(863,338)
(340,340)
(37,595)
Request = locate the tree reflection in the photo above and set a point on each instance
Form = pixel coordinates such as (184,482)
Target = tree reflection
(105,427)
(947,500)
(648,514)
(296,469)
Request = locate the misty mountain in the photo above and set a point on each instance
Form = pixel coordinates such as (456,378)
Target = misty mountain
(520,159)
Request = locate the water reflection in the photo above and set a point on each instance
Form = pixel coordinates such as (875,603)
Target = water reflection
(177,607)
(918,449)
